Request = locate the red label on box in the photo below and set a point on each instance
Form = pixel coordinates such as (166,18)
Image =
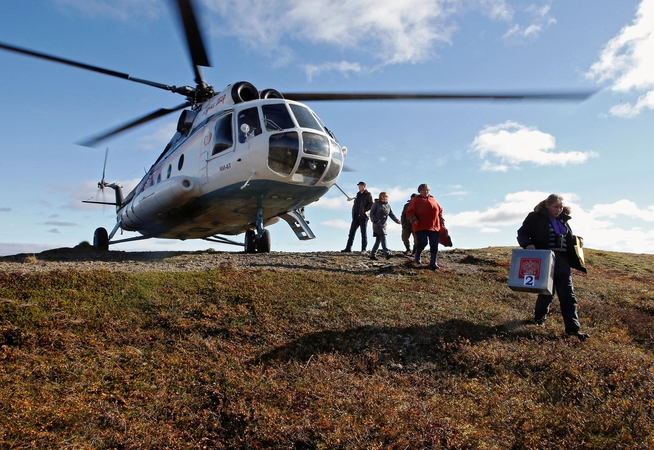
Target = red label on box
(529,266)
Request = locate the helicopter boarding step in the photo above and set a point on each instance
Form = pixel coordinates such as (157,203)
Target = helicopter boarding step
(299,226)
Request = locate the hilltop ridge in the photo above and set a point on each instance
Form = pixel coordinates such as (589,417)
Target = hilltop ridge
(87,258)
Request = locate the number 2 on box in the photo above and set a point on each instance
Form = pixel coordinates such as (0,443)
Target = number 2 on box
(529,280)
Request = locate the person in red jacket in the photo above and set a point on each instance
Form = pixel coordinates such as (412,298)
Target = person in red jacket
(426,216)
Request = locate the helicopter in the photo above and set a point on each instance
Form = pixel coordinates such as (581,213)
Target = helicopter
(241,159)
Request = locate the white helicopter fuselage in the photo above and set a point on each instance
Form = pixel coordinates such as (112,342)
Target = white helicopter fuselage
(233,166)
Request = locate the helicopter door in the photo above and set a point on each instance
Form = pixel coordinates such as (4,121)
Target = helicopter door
(203,168)
(218,137)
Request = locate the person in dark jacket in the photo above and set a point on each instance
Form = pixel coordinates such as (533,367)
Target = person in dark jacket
(379,214)
(547,228)
(407,229)
(360,208)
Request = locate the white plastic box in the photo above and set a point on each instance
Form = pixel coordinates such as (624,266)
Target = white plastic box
(532,271)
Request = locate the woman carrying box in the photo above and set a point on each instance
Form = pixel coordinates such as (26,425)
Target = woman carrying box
(546,228)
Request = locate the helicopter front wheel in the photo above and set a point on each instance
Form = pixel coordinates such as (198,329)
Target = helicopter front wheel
(250,241)
(263,246)
(256,244)
(101,239)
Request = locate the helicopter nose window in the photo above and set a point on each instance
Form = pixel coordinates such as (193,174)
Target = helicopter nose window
(276,117)
(305,118)
(336,164)
(282,152)
(249,117)
(315,144)
(311,169)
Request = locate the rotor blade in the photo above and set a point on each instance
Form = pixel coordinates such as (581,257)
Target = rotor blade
(331,96)
(194,39)
(93,141)
(104,167)
(80,65)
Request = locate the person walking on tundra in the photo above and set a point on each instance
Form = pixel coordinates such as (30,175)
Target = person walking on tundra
(379,214)
(360,208)
(547,228)
(426,216)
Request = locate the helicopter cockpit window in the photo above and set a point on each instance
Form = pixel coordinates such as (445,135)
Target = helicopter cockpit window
(315,144)
(336,165)
(304,117)
(249,117)
(283,151)
(276,117)
(223,139)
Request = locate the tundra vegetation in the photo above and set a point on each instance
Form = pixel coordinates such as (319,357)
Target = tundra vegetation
(393,358)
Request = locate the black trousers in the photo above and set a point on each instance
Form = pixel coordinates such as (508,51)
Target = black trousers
(358,224)
(565,291)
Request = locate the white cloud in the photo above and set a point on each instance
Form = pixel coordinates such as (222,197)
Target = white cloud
(645,101)
(538,20)
(514,144)
(622,240)
(393,32)
(627,61)
(495,9)
(513,209)
(339,202)
(396,195)
(400,32)
(337,223)
(455,191)
(490,167)
(622,208)
(602,226)
(343,67)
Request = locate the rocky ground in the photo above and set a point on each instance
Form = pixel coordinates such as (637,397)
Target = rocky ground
(87,258)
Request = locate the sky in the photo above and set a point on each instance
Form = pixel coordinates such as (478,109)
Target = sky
(488,163)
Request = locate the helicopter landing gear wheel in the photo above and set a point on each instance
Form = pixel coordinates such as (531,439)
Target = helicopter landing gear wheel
(263,246)
(250,241)
(101,239)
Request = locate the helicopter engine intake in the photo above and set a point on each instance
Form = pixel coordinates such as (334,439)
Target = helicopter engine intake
(271,93)
(244,92)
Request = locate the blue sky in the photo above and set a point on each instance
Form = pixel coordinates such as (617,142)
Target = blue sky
(488,162)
